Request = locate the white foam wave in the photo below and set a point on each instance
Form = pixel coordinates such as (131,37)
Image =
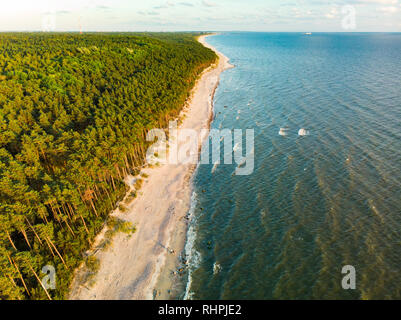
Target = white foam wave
(215,166)
(192,255)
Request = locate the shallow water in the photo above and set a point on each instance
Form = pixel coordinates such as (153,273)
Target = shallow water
(316,202)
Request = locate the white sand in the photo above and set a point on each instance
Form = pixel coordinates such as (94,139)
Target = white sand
(134,267)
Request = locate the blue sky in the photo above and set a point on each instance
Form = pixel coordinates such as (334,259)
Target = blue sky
(216,15)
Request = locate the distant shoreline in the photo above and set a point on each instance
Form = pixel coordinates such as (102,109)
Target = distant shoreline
(140,268)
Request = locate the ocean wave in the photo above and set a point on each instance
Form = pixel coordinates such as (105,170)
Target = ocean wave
(193,256)
(215,166)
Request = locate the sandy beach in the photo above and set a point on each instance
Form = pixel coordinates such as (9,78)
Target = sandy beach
(141,266)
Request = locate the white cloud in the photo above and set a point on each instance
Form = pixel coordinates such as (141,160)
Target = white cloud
(332,14)
(208,3)
(389,9)
(380,1)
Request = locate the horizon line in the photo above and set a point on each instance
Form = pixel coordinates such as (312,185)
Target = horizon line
(187,31)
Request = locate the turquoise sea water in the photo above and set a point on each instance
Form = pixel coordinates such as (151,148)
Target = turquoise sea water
(314,203)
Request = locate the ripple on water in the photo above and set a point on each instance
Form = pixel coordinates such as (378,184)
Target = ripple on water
(314,203)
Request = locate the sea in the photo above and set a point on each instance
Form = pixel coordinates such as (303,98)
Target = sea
(319,217)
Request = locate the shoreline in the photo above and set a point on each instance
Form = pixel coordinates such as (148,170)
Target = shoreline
(168,281)
(141,267)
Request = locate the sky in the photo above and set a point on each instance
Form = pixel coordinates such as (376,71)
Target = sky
(201,15)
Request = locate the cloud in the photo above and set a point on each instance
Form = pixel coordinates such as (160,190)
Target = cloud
(208,3)
(166,5)
(332,14)
(389,9)
(103,7)
(63,12)
(148,13)
(187,4)
(380,1)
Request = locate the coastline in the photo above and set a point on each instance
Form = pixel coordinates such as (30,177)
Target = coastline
(141,267)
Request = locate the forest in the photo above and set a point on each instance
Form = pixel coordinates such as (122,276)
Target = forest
(74,113)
